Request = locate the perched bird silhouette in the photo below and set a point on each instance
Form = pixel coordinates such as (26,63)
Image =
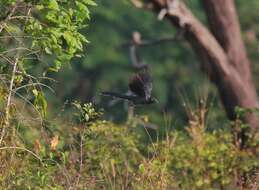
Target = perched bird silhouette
(140,88)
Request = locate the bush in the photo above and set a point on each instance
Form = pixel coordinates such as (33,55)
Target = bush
(96,154)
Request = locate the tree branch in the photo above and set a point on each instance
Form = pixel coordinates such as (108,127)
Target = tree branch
(137,41)
(153,42)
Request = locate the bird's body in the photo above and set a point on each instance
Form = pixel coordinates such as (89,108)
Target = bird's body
(140,87)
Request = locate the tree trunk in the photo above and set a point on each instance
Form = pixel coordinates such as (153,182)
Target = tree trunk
(222,52)
(224,24)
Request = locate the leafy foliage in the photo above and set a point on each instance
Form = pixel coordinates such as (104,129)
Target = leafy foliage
(99,154)
(37,37)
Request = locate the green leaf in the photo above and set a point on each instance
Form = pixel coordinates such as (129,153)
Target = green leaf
(39,7)
(35,92)
(141,168)
(40,102)
(53,5)
(43,103)
(48,51)
(90,2)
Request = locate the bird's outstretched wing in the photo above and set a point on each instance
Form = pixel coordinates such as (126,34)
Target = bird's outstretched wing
(141,84)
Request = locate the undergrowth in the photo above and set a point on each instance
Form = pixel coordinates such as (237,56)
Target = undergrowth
(90,153)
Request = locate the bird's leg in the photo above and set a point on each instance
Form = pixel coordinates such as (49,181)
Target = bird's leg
(130,111)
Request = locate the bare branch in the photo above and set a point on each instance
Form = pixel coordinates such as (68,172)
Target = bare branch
(151,42)
(137,41)
(22,148)
(7,109)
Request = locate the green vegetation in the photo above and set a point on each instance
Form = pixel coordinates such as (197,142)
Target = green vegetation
(91,153)
(48,143)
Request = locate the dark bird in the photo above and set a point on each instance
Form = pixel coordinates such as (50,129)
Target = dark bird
(140,87)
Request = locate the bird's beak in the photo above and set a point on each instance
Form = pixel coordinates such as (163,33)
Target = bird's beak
(156,100)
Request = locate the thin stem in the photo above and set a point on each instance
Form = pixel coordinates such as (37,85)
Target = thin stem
(21,148)
(11,87)
(3,24)
(81,161)
(7,110)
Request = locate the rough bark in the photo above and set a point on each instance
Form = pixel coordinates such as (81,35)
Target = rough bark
(222,52)
(224,24)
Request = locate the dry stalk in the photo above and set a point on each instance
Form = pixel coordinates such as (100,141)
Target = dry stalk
(8,104)
(79,174)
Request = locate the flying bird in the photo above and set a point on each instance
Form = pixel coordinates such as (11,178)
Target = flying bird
(140,88)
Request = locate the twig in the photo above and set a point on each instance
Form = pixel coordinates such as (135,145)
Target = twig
(21,148)
(7,109)
(138,42)
(27,17)
(81,161)
(7,59)
(2,24)
(19,17)
(11,86)
(35,84)
(142,43)
(20,48)
(10,36)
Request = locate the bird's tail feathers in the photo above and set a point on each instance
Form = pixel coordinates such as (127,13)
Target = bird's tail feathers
(116,95)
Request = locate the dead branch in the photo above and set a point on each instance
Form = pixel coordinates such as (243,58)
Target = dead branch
(137,41)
